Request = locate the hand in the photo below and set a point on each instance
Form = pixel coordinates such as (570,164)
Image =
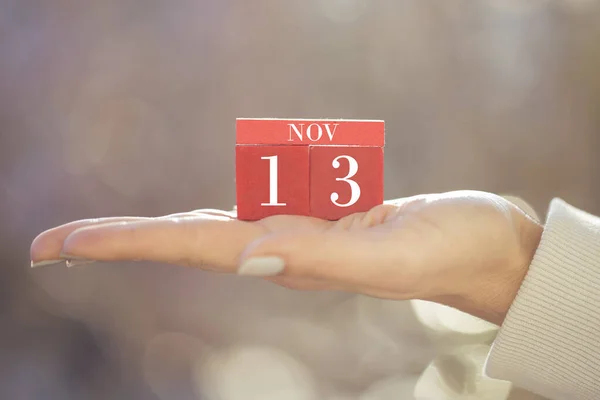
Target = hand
(468,250)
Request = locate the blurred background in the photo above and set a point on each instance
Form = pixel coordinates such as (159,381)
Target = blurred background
(128,107)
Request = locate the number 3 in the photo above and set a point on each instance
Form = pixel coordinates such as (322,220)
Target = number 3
(354,187)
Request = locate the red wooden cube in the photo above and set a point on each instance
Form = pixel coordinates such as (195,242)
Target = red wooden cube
(272,180)
(323,168)
(345,180)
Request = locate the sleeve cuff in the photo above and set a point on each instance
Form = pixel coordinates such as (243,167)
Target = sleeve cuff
(549,343)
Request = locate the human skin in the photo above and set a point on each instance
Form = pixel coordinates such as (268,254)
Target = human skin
(466,249)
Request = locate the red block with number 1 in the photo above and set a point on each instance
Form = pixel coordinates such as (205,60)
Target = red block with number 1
(322,168)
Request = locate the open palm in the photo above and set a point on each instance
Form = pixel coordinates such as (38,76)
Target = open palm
(465,249)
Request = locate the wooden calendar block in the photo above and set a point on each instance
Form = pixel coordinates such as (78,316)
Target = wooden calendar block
(345,180)
(326,168)
(272,180)
(305,132)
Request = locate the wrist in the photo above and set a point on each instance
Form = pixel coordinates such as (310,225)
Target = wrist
(490,297)
(509,284)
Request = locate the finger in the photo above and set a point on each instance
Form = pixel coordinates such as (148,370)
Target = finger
(45,248)
(347,258)
(219,213)
(193,240)
(212,211)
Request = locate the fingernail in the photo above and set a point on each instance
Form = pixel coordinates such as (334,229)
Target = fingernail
(262,266)
(76,262)
(35,264)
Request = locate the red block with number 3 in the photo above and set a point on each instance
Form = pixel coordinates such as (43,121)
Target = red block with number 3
(323,168)
(345,180)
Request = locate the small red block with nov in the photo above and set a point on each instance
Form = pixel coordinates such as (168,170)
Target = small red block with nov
(322,168)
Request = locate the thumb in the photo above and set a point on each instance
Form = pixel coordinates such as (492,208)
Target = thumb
(338,256)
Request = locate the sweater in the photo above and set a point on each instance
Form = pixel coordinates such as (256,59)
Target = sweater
(549,342)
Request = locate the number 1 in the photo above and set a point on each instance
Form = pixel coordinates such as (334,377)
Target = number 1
(273,183)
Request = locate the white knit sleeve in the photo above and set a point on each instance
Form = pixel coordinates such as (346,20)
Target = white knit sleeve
(550,341)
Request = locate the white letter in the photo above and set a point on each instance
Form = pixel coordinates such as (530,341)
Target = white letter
(310,136)
(329,132)
(354,187)
(298,132)
(273,179)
